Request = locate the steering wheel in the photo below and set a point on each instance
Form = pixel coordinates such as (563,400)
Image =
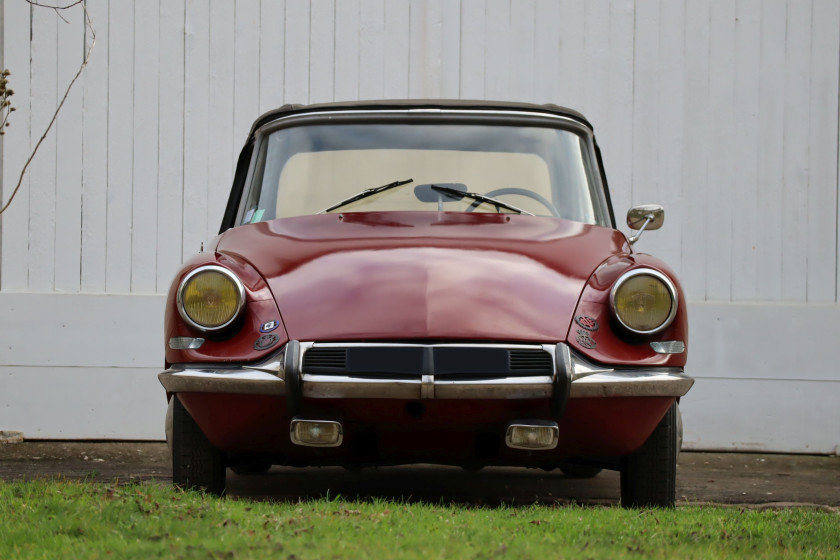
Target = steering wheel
(516,190)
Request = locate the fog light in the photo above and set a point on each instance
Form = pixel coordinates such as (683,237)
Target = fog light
(532,434)
(316,433)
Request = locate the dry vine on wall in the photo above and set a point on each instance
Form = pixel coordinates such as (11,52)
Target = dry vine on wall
(6,106)
(6,92)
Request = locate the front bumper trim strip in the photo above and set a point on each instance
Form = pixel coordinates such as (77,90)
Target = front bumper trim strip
(587,381)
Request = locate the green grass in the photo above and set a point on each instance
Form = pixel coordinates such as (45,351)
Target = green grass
(72,519)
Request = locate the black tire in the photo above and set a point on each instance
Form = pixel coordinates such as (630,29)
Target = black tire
(196,464)
(649,476)
(580,471)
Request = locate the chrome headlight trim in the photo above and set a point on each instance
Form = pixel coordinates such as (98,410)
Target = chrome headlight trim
(659,276)
(240,291)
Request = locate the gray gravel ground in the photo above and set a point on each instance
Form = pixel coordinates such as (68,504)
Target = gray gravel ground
(752,480)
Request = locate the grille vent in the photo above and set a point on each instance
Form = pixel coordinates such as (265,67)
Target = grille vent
(333,358)
(448,361)
(530,360)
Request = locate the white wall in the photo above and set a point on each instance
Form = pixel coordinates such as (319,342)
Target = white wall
(725,112)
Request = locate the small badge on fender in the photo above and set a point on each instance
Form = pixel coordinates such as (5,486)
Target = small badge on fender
(585,340)
(587,322)
(266,341)
(270,326)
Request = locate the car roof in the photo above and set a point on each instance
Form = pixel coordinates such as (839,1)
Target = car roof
(404,104)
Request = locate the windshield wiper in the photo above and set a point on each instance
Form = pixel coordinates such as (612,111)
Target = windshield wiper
(364,194)
(481,198)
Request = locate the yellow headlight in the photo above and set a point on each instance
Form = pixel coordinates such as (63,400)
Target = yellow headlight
(210,298)
(644,301)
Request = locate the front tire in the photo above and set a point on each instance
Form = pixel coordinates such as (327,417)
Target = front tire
(196,464)
(649,476)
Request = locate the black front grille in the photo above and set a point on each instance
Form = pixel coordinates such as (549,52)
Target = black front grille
(537,360)
(325,358)
(445,361)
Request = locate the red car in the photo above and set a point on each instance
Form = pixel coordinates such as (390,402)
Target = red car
(426,282)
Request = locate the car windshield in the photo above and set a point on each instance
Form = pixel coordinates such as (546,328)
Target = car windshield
(304,170)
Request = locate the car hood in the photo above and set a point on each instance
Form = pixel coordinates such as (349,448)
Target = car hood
(424,275)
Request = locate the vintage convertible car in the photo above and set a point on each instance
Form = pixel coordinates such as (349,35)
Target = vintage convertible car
(426,282)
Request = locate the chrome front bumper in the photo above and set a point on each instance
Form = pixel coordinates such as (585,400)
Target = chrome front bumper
(572,377)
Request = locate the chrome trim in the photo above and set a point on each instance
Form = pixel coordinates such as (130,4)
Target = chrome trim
(343,387)
(594,380)
(656,274)
(587,380)
(427,387)
(653,216)
(536,387)
(656,382)
(240,288)
(274,368)
(236,381)
(584,368)
(305,346)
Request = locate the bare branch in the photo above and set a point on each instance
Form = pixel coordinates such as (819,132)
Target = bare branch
(56,8)
(89,25)
(76,3)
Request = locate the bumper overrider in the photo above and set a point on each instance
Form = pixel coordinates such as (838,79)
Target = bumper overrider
(315,370)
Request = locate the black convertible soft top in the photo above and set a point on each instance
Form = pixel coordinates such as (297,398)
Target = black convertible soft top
(292,109)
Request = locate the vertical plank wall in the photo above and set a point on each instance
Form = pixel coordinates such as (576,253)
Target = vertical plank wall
(725,112)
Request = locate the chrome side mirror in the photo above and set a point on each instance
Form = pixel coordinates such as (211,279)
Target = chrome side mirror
(645,217)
